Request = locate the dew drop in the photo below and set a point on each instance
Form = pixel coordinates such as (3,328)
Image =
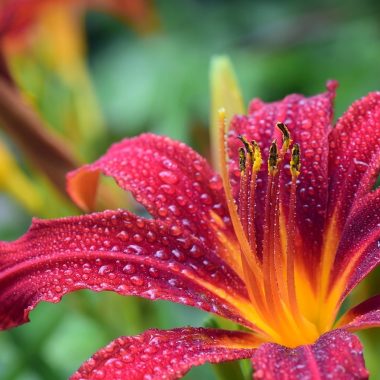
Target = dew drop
(168,177)
(128,358)
(137,238)
(215,183)
(104,269)
(129,269)
(151,236)
(168,189)
(195,251)
(180,256)
(137,280)
(206,199)
(169,164)
(134,249)
(98,374)
(181,200)
(153,272)
(175,230)
(308,153)
(162,254)
(162,211)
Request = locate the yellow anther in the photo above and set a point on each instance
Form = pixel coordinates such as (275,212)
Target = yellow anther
(257,158)
(286,140)
(242,159)
(295,162)
(273,158)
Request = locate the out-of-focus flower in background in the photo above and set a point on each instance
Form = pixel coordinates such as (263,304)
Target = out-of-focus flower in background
(48,103)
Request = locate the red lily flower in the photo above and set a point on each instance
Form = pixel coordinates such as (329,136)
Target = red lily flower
(274,249)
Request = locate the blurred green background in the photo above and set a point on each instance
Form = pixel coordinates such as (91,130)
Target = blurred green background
(157,79)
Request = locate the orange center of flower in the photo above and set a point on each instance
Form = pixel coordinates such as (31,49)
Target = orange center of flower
(284,302)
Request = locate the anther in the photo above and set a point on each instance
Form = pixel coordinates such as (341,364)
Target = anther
(286,140)
(273,159)
(257,159)
(295,162)
(242,160)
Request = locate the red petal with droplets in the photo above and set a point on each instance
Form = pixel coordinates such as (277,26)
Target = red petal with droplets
(167,354)
(336,355)
(309,122)
(173,182)
(362,316)
(359,249)
(354,150)
(114,250)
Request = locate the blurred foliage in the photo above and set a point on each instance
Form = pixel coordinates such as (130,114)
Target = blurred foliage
(158,81)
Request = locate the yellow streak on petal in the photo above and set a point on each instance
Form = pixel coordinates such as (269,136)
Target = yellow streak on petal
(248,341)
(225,93)
(229,249)
(306,297)
(333,298)
(328,255)
(327,303)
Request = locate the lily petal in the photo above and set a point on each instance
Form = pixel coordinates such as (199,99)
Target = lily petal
(309,122)
(173,182)
(117,251)
(354,165)
(337,354)
(166,354)
(354,144)
(362,316)
(359,251)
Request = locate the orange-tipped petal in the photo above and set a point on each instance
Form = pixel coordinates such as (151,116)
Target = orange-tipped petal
(174,183)
(166,354)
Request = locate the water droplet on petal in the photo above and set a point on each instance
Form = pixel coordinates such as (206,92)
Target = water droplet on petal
(215,183)
(137,238)
(129,269)
(168,177)
(175,230)
(137,280)
(104,269)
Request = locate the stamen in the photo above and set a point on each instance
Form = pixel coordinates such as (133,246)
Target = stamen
(256,164)
(251,265)
(273,159)
(273,260)
(286,140)
(270,206)
(242,159)
(243,192)
(295,166)
(295,162)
